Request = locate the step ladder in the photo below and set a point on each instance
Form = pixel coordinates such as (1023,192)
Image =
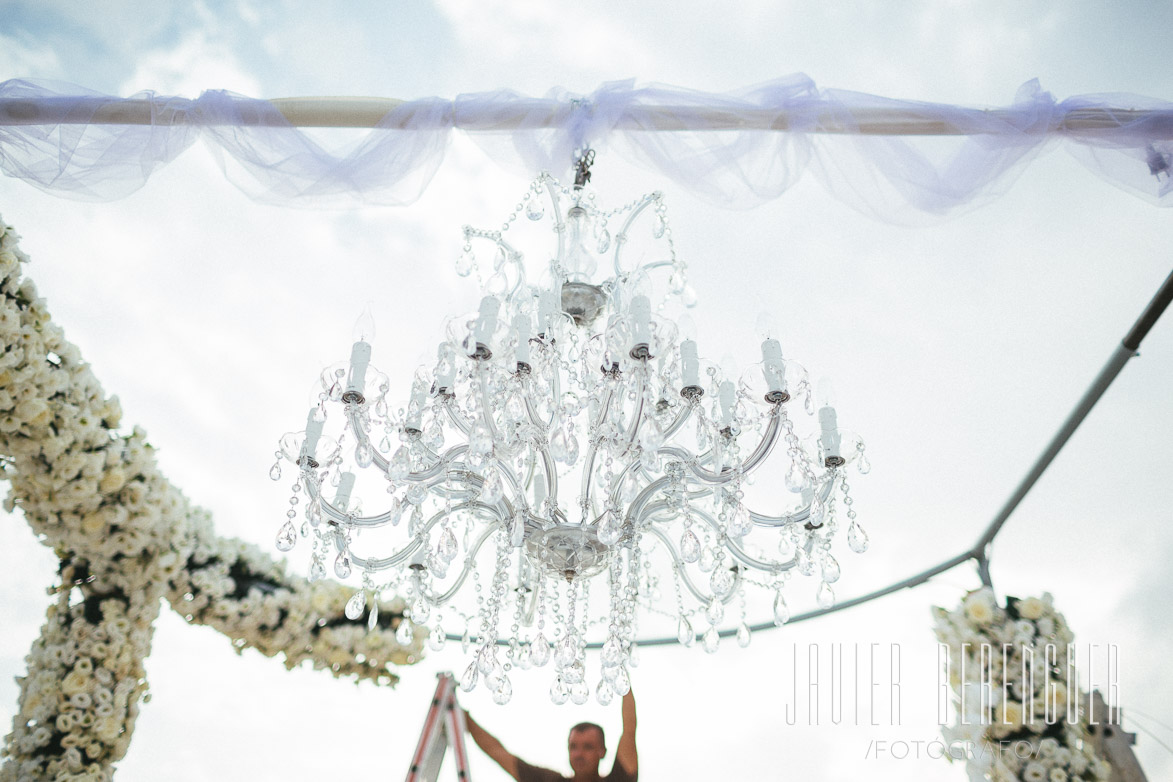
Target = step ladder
(443,728)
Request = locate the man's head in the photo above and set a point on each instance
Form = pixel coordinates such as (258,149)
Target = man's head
(587,747)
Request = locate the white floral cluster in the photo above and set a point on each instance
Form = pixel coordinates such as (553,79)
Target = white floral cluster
(1014,703)
(126,539)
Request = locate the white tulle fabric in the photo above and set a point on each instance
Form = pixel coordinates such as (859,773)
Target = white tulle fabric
(742,162)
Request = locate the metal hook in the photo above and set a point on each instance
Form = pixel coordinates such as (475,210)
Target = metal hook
(582,167)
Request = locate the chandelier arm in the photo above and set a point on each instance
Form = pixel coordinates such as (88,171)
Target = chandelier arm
(469,561)
(559,225)
(382,462)
(763,449)
(635,510)
(800,515)
(621,236)
(454,416)
(637,414)
(678,568)
(486,407)
(592,450)
(736,550)
(543,448)
(681,417)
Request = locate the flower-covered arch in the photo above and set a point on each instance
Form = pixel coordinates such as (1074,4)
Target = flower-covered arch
(126,540)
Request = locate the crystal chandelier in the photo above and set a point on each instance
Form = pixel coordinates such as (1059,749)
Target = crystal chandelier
(571,455)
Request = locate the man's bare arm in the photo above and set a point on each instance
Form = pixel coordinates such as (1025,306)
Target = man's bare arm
(492,747)
(626,754)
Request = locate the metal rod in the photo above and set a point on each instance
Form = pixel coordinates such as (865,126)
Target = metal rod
(348,112)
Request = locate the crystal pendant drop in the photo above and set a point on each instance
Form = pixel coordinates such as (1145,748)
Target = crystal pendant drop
(786,546)
(739,522)
(491,489)
(795,480)
(721,582)
(503,692)
(707,560)
(830,568)
(857,539)
(469,680)
(385,444)
(567,651)
(826,596)
(711,640)
(684,633)
(356,604)
(404,634)
(436,638)
(400,464)
(539,651)
(574,673)
(610,530)
(864,466)
(604,693)
(559,692)
(604,241)
(494,676)
(818,511)
(571,449)
(743,635)
(362,455)
(286,536)
(317,570)
(313,512)
(486,659)
(466,640)
(621,682)
(421,609)
(580,693)
(533,208)
(275,471)
(715,611)
(558,445)
(447,547)
(342,565)
(658,227)
(781,610)
(806,565)
(373,616)
(465,263)
(690,547)
(612,653)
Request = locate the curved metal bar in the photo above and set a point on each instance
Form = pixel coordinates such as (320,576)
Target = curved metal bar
(763,449)
(412,547)
(593,448)
(455,418)
(543,448)
(469,562)
(678,567)
(733,548)
(800,515)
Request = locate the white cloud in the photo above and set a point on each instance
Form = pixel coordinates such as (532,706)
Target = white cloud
(195,64)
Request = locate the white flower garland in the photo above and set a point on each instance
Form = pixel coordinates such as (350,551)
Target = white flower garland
(1031,734)
(126,539)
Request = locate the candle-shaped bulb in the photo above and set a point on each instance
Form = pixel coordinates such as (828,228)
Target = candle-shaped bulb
(364,327)
(445,367)
(419,396)
(313,432)
(690,367)
(641,326)
(360,359)
(772,366)
(686,326)
(487,321)
(828,424)
(345,487)
(521,327)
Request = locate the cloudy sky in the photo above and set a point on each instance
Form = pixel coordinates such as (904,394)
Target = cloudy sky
(957,349)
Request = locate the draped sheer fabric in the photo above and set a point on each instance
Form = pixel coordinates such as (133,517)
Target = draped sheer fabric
(889,158)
